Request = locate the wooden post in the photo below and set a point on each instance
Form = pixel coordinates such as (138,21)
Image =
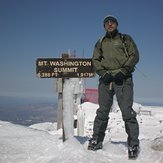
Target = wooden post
(59,90)
(59,86)
(64,56)
(62,108)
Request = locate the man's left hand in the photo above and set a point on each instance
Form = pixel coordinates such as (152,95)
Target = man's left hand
(119,76)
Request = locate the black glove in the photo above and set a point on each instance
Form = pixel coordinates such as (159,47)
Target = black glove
(107,78)
(119,76)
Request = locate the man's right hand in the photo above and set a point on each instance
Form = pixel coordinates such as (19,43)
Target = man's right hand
(107,78)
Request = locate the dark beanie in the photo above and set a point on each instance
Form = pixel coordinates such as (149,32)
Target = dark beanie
(111,18)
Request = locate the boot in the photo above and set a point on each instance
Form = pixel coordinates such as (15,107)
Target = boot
(133,152)
(94,144)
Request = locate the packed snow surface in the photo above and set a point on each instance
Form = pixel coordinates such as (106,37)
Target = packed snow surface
(42,143)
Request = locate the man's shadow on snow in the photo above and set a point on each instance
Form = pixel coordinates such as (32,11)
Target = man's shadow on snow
(82,139)
(85,139)
(118,146)
(119,143)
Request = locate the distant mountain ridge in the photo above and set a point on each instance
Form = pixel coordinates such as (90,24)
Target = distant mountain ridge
(26,111)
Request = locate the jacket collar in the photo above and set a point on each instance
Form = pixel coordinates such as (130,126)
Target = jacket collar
(111,35)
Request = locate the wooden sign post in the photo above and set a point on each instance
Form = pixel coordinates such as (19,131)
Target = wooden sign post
(62,68)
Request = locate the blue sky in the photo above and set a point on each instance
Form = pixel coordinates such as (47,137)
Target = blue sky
(32,29)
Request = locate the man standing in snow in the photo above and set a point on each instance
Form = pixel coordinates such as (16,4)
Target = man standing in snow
(114,58)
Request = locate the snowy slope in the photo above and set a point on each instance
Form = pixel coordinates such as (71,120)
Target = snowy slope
(42,143)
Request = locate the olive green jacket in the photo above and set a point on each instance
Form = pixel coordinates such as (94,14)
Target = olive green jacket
(109,55)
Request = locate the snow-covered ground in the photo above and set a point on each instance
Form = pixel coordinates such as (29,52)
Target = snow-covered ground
(42,143)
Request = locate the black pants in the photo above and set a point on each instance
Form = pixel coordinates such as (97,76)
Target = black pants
(124,95)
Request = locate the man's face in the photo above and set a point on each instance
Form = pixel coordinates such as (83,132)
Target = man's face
(110,26)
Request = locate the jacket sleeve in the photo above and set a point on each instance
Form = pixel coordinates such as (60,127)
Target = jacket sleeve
(133,55)
(96,59)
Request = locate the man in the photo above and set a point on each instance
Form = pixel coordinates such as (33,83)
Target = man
(114,59)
